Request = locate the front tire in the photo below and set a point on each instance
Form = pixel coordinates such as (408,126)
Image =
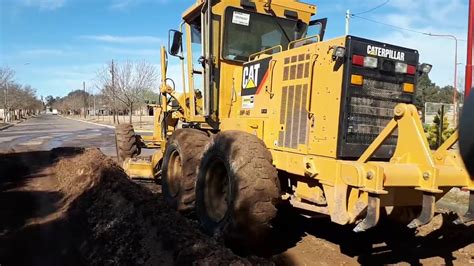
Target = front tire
(126,142)
(179,171)
(237,188)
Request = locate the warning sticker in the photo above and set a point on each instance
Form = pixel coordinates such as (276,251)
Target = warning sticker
(241,18)
(248,102)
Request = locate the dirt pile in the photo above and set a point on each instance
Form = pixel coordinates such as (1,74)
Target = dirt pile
(120,222)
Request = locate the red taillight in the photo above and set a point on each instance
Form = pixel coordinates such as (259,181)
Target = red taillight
(358,60)
(411,70)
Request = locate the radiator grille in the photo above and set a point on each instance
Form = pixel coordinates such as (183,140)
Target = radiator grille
(366,110)
(371,108)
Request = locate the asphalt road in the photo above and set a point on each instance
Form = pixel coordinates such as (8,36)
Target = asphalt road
(46,132)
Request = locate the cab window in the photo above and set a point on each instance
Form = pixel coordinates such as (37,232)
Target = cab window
(247,33)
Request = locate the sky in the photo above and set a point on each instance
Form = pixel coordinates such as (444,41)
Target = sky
(55,45)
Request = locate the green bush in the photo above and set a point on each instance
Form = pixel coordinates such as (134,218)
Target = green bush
(432,131)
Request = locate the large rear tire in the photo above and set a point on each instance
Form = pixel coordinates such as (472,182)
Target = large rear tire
(179,169)
(237,188)
(126,142)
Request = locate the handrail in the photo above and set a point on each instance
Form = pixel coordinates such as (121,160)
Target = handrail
(312,63)
(304,39)
(272,66)
(252,56)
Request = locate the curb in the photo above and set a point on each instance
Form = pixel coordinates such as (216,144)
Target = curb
(5,127)
(93,123)
(12,124)
(102,125)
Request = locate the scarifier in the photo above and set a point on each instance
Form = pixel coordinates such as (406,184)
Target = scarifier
(271,111)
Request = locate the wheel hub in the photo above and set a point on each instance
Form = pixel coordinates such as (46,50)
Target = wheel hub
(217,190)
(174,173)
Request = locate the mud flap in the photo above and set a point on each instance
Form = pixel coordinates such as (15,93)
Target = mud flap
(469,216)
(427,211)
(373,214)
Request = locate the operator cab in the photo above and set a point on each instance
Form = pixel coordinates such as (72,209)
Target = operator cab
(222,37)
(247,32)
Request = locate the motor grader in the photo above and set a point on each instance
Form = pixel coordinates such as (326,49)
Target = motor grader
(270,111)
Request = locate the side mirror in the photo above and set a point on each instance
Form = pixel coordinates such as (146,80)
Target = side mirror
(175,47)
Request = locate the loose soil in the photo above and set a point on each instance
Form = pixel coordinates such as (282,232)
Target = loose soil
(73,206)
(84,210)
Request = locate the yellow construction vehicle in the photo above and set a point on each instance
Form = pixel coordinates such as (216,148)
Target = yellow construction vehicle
(272,111)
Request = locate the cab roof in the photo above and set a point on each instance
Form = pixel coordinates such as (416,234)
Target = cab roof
(293,5)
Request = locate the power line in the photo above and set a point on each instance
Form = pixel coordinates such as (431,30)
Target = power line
(397,27)
(389,25)
(372,9)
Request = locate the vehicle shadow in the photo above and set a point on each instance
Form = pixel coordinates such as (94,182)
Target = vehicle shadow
(24,201)
(388,243)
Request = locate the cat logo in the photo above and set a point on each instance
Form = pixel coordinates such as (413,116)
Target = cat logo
(254,74)
(384,52)
(250,77)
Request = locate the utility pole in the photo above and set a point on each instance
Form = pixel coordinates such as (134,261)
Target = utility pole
(439,139)
(348,18)
(113,90)
(5,115)
(85,98)
(93,98)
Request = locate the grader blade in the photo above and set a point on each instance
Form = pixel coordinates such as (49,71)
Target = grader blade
(427,211)
(469,216)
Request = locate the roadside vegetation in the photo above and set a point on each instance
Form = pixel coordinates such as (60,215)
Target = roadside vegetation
(123,89)
(428,91)
(17,101)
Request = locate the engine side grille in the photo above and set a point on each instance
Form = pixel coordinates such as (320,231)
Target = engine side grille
(293,113)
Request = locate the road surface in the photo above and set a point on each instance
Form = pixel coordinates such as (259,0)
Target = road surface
(46,132)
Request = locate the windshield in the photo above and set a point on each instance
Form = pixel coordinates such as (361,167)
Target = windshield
(247,33)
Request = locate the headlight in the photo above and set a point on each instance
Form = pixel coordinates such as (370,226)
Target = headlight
(401,67)
(338,53)
(425,68)
(370,62)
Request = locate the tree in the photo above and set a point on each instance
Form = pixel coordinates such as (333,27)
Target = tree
(17,100)
(129,83)
(6,77)
(72,103)
(50,100)
(428,91)
(425,88)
